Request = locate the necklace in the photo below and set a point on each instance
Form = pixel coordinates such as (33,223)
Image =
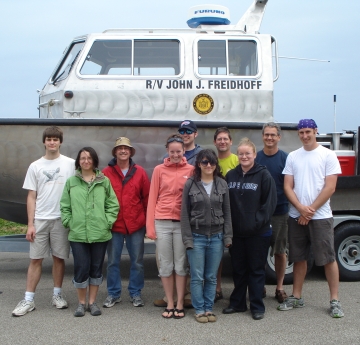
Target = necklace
(91,179)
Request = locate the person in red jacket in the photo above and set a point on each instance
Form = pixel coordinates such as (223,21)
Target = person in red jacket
(131,185)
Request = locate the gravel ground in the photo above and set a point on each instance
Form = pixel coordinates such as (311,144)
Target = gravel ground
(124,324)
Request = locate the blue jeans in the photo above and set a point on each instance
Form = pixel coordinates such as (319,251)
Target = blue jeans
(204,260)
(248,259)
(88,263)
(135,247)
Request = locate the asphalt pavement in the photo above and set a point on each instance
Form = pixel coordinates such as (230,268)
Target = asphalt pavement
(125,324)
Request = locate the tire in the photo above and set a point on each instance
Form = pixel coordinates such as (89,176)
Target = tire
(289,275)
(347,249)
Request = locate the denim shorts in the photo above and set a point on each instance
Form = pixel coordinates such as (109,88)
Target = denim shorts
(319,233)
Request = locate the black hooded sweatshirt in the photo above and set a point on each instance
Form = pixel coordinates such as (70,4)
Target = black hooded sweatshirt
(252,200)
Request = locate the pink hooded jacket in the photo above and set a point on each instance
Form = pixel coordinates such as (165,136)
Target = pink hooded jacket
(167,184)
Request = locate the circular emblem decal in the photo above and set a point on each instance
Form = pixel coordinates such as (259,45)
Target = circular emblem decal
(203,104)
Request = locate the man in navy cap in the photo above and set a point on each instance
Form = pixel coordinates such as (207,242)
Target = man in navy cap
(310,180)
(188,131)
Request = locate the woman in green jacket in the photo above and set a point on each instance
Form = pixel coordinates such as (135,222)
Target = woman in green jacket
(89,207)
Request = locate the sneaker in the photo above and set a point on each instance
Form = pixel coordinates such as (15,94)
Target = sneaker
(80,310)
(290,303)
(94,309)
(335,309)
(59,302)
(280,295)
(23,307)
(110,301)
(137,301)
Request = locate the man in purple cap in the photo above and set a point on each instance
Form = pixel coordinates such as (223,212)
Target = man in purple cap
(310,180)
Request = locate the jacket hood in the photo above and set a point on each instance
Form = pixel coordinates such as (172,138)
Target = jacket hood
(99,176)
(113,162)
(255,169)
(167,162)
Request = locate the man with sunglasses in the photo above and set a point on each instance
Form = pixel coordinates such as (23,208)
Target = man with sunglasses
(188,131)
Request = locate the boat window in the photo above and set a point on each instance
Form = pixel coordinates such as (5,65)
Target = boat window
(65,67)
(151,57)
(212,57)
(156,57)
(239,58)
(242,58)
(108,57)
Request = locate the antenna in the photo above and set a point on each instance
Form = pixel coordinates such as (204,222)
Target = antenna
(334,113)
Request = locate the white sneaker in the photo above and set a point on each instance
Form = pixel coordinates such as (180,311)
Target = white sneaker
(23,307)
(59,302)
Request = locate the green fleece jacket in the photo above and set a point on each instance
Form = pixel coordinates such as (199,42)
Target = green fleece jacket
(89,210)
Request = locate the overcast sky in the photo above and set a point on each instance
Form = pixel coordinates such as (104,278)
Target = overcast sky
(33,35)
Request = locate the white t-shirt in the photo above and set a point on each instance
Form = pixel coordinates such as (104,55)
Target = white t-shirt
(47,178)
(309,169)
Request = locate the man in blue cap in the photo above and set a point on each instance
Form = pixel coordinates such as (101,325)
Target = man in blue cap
(310,180)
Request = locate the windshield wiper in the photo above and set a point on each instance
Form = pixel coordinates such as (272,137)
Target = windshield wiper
(70,65)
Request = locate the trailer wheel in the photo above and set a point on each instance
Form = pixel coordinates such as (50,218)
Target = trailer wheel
(347,249)
(289,275)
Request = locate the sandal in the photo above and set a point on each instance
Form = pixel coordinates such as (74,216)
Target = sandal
(202,318)
(218,296)
(179,311)
(211,317)
(170,313)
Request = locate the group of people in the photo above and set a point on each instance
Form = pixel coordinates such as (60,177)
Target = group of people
(198,203)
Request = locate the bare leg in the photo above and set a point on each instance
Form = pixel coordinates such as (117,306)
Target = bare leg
(168,284)
(180,290)
(93,290)
(58,271)
(218,277)
(81,295)
(332,277)
(280,266)
(299,277)
(34,274)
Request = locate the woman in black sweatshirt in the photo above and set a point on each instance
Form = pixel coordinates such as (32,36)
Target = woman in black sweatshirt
(252,193)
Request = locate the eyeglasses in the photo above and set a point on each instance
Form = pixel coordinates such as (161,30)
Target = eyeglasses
(272,135)
(171,140)
(187,131)
(205,163)
(247,154)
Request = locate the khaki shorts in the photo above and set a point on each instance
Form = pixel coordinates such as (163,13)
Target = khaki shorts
(171,252)
(279,235)
(319,233)
(50,234)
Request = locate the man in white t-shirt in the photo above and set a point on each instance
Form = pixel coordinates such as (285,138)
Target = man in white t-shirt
(310,180)
(45,180)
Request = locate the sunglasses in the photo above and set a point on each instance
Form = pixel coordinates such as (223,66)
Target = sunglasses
(187,131)
(205,163)
(171,140)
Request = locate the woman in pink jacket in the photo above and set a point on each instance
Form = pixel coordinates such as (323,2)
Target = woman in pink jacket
(163,222)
